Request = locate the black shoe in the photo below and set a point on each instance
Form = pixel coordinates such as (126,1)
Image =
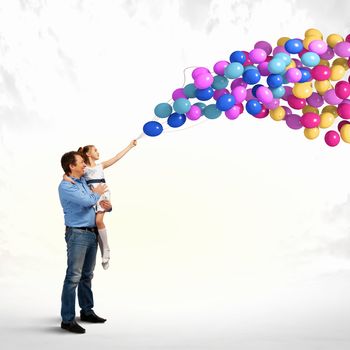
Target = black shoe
(91,317)
(72,327)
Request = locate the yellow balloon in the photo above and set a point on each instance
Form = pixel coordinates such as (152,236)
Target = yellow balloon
(277,113)
(341,62)
(302,90)
(311,133)
(334,39)
(308,40)
(291,65)
(330,109)
(337,72)
(324,63)
(281,41)
(314,32)
(327,119)
(309,108)
(322,86)
(345,133)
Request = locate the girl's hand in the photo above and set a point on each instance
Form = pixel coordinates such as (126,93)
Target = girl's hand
(67,178)
(133,143)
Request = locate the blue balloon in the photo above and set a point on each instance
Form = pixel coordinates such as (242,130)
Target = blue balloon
(219,82)
(190,90)
(278,92)
(251,76)
(274,80)
(310,59)
(162,110)
(234,70)
(211,112)
(305,75)
(225,102)
(294,46)
(204,94)
(152,128)
(238,56)
(182,105)
(175,120)
(253,107)
(256,87)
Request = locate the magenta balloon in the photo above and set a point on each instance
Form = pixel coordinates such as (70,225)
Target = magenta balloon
(321,72)
(288,92)
(239,93)
(293,75)
(263,45)
(340,124)
(263,68)
(233,112)
(328,55)
(342,49)
(194,113)
(296,103)
(293,121)
(318,46)
(342,89)
(203,81)
(332,138)
(199,70)
(331,98)
(219,67)
(264,94)
(310,120)
(219,93)
(343,110)
(315,100)
(238,82)
(178,93)
(257,55)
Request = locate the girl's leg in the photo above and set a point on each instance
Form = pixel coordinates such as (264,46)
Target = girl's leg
(102,239)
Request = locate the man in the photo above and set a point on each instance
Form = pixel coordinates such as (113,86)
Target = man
(78,203)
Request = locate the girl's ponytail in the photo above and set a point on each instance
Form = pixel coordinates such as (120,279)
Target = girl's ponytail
(83,152)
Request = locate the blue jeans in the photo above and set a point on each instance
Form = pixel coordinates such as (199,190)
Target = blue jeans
(81,260)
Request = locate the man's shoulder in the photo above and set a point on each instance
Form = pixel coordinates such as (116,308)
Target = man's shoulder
(65,185)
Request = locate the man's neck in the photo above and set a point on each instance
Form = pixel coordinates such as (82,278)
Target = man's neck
(75,175)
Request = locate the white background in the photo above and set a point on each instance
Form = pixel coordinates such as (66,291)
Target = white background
(230,234)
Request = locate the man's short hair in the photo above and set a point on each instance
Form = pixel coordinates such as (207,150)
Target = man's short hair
(69,159)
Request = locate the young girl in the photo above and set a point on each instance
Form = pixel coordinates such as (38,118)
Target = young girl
(94,175)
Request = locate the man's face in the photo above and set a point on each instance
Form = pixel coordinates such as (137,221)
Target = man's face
(78,168)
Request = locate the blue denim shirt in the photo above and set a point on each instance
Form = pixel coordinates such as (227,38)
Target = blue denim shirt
(78,202)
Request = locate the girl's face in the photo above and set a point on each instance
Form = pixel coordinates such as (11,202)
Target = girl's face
(93,153)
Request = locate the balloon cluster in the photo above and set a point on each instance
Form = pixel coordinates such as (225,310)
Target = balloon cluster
(303,74)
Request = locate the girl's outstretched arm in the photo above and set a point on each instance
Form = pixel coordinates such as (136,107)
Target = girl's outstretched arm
(120,155)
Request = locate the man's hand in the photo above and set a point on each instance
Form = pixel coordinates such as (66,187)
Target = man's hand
(100,189)
(106,205)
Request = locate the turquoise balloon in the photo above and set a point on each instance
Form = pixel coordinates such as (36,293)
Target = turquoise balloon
(234,70)
(201,105)
(284,57)
(163,110)
(220,82)
(278,92)
(182,105)
(310,59)
(190,91)
(211,112)
(276,66)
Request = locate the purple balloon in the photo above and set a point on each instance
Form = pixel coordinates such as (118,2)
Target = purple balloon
(328,55)
(273,104)
(219,93)
(293,121)
(342,49)
(315,100)
(249,95)
(287,93)
(263,68)
(263,45)
(279,49)
(287,110)
(331,97)
(238,82)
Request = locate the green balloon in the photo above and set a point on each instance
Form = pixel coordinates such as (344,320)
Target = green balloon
(190,91)
(163,110)
(211,112)
(220,82)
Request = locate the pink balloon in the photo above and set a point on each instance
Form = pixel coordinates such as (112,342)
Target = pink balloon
(318,46)
(263,113)
(264,94)
(257,55)
(263,45)
(239,93)
(203,80)
(295,102)
(293,75)
(194,113)
(310,120)
(293,121)
(342,89)
(342,49)
(247,62)
(219,93)
(219,67)
(233,112)
(343,110)
(178,93)
(331,98)
(199,70)
(321,72)
(315,100)
(343,122)
(332,138)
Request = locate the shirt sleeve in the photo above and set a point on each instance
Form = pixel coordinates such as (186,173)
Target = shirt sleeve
(77,195)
